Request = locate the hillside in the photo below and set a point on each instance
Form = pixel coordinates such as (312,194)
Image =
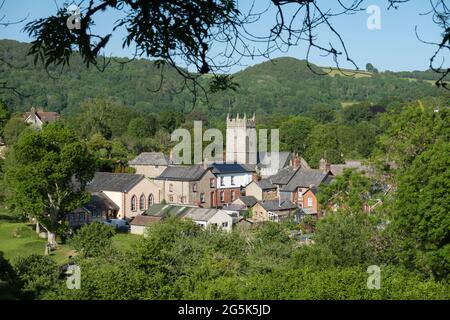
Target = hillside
(283,85)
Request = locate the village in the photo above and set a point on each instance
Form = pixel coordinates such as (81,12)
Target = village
(231,194)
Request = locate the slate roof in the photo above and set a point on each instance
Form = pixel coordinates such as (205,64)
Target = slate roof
(183,173)
(162,211)
(201,214)
(283,176)
(118,182)
(264,159)
(142,220)
(166,210)
(249,201)
(44,116)
(100,202)
(227,168)
(151,158)
(274,205)
(305,178)
(266,184)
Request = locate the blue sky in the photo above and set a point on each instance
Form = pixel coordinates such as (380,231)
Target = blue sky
(394,47)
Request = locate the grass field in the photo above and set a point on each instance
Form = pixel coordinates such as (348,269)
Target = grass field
(345,72)
(19,239)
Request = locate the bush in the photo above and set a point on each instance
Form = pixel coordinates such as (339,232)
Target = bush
(93,239)
(36,274)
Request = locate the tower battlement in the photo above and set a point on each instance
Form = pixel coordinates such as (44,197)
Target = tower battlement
(241,122)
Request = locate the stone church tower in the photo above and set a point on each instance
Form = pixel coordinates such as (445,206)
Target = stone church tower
(241,140)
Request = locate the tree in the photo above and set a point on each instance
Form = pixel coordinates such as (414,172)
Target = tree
(356,113)
(46,173)
(142,127)
(36,274)
(348,192)
(189,31)
(411,132)
(348,237)
(421,214)
(93,240)
(371,68)
(12,130)
(323,142)
(294,133)
(5,115)
(322,113)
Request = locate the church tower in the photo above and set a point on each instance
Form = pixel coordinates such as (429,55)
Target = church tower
(241,140)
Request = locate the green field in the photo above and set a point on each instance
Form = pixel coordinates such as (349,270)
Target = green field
(346,72)
(19,239)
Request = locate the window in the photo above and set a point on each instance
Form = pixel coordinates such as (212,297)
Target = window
(222,196)
(170,187)
(232,195)
(232,180)
(222,183)
(225,224)
(202,197)
(133,203)
(194,187)
(212,182)
(156,167)
(171,198)
(142,202)
(310,202)
(183,199)
(150,200)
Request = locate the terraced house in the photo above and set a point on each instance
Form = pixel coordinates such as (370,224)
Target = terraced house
(193,185)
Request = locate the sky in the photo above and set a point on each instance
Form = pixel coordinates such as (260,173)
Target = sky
(393,47)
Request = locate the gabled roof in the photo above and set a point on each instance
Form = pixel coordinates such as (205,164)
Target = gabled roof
(306,178)
(201,214)
(266,184)
(166,210)
(275,205)
(117,182)
(183,173)
(142,220)
(163,211)
(151,158)
(228,168)
(265,158)
(249,201)
(100,202)
(44,116)
(283,176)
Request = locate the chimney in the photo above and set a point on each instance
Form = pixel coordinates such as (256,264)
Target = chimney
(313,188)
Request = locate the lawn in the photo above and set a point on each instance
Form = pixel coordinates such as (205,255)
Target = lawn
(19,239)
(125,241)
